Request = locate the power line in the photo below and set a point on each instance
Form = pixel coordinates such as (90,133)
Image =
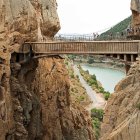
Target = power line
(89,34)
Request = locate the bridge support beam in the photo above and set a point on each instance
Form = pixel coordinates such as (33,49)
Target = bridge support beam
(118,56)
(132,58)
(125,57)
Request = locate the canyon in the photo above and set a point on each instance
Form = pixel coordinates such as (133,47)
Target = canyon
(35,100)
(121,118)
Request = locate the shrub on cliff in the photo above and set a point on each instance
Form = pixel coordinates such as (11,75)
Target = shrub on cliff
(138,106)
(92,82)
(97,113)
(106,95)
(101,89)
(97,117)
(94,77)
(81,98)
(72,75)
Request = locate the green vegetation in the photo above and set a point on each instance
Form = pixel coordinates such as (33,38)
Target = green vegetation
(92,81)
(72,56)
(138,106)
(66,63)
(69,68)
(118,28)
(97,117)
(81,98)
(77,76)
(72,75)
(90,60)
(77,92)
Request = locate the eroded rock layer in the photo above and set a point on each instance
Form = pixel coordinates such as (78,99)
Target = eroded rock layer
(22,20)
(135,7)
(34,96)
(122,114)
(42,106)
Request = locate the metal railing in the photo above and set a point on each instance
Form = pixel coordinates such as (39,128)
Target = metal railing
(126,35)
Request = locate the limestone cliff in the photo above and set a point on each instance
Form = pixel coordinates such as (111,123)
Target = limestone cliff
(135,7)
(34,19)
(42,105)
(35,102)
(122,114)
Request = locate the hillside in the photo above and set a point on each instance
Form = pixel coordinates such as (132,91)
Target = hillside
(118,28)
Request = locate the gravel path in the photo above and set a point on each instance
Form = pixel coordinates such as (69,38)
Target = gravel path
(98,101)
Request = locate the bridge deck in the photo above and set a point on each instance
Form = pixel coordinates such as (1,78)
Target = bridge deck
(83,47)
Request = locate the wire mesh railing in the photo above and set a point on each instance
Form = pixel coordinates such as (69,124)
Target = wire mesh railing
(125,35)
(72,38)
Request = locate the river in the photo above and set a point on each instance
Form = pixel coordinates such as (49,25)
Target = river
(107,77)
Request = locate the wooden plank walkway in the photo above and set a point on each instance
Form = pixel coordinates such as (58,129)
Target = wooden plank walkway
(83,47)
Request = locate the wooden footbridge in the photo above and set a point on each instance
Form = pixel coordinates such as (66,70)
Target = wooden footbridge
(127,51)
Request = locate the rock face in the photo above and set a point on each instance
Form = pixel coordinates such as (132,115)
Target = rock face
(122,114)
(6,115)
(42,106)
(135,7)
(35,103)
(36,19)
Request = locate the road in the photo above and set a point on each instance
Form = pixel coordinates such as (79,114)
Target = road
(97,100)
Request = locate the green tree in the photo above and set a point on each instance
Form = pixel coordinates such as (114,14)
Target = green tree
(90,60)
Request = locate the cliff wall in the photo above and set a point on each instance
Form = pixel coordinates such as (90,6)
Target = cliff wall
(135,7)
(122,114)
(42,105)
(34,97)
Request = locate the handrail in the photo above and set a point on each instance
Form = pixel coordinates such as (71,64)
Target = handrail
(111,41)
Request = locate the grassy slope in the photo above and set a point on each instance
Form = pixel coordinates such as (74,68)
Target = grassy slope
(121,26)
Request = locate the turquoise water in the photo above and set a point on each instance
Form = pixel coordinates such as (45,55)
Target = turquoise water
(107,77)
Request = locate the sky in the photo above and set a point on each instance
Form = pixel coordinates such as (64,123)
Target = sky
(89,16)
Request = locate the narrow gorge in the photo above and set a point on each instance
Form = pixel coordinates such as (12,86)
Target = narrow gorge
(122,115)
(35,100)
(35,103)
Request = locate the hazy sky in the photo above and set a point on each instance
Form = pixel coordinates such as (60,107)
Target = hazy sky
(88,16)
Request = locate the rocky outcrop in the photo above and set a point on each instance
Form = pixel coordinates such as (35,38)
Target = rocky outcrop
(6,115)
(23,20)
(35,103)
(20,20)
(135,7)
(42,105)
(122,114)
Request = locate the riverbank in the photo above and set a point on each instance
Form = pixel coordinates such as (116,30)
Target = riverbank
(107,77)
(94,83)
(104,65)
(77,91)
(98,101)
